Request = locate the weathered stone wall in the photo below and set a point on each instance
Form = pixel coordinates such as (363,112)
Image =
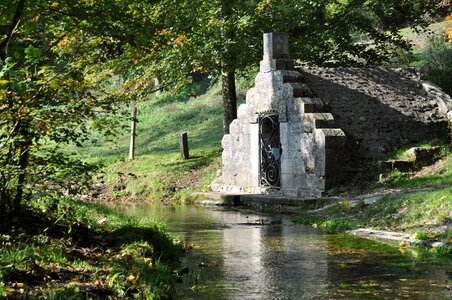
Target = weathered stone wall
(379,110)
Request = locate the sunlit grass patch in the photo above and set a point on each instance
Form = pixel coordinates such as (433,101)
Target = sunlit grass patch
(158,171)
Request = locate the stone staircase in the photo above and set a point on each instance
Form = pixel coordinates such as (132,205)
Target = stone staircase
(319,119)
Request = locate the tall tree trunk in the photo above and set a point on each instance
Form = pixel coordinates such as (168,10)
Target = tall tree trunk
(228,93)
(23,164)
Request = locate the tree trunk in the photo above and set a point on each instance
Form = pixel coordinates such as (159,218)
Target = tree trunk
(228,93)
(228,63)
(23,164)
(12,27)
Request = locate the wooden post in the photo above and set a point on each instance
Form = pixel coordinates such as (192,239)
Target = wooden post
(183,141)
(157,86)
(133,133)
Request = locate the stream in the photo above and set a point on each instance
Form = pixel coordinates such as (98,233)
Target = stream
(245,255)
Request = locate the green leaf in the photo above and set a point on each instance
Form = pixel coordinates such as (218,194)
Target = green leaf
(32,54)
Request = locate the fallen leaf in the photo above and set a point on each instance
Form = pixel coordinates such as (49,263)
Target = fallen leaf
(131,278)
(102,221)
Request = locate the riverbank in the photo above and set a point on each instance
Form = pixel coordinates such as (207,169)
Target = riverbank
(243,254)
(416,204)
(60,248)
(410,208)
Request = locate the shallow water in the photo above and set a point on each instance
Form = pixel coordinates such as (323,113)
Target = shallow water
(244,255)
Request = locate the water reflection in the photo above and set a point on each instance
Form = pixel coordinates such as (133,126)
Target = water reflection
(240,255)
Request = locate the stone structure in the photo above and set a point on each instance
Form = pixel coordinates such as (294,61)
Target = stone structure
(283,141)
(381,110)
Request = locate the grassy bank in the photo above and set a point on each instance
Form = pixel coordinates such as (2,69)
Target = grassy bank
(66,249)
(158,171)
(421,205)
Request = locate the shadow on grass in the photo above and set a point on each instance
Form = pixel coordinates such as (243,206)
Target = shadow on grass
(54,257)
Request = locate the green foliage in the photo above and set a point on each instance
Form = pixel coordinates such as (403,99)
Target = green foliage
(330,224)
(333,226)
(422,235)
(443,177)
(394,176)
(48,95)
(437,66)
(418,211)
(446,233)
(158,172)
(123,257)
(412,210)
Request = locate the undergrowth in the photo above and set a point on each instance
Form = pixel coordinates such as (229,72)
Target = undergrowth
(425,210)
(66,249)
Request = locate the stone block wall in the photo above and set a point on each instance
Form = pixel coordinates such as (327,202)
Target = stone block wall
(380,109)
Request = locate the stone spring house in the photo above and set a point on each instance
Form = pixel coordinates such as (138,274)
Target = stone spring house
(286,141)
(280,143)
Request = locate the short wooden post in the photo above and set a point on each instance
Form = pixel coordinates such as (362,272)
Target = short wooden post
(183,141)
(133,133)
(158,91)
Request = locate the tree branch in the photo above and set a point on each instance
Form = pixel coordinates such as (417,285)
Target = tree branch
(15,22)
(62,36)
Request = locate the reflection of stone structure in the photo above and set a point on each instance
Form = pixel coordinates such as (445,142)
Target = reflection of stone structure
(282,142)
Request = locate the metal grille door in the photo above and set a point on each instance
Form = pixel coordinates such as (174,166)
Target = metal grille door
(270,151)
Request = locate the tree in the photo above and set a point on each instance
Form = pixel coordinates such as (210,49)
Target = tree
(208,37)
(222,37)
(49,94)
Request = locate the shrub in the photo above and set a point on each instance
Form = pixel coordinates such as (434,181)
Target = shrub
(438,67)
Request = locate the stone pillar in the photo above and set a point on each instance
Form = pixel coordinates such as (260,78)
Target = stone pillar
(276,45)
(276,52)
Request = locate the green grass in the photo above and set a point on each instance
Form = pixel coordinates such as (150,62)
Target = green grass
(158,171)
(442,177)
(410,211)
(419,212)
(420,41)
(400,153)
(61,249)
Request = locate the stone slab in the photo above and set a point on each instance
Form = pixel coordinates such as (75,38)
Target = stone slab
(392,236)
(273,199)
(236,199)
(214,199)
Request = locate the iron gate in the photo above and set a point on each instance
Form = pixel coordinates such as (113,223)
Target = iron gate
(270,150)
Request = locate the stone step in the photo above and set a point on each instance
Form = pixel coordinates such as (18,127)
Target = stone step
(283,64)
(323,120)
(301,90)
(314,105)
(291,76)
(333,132)
(213,198)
